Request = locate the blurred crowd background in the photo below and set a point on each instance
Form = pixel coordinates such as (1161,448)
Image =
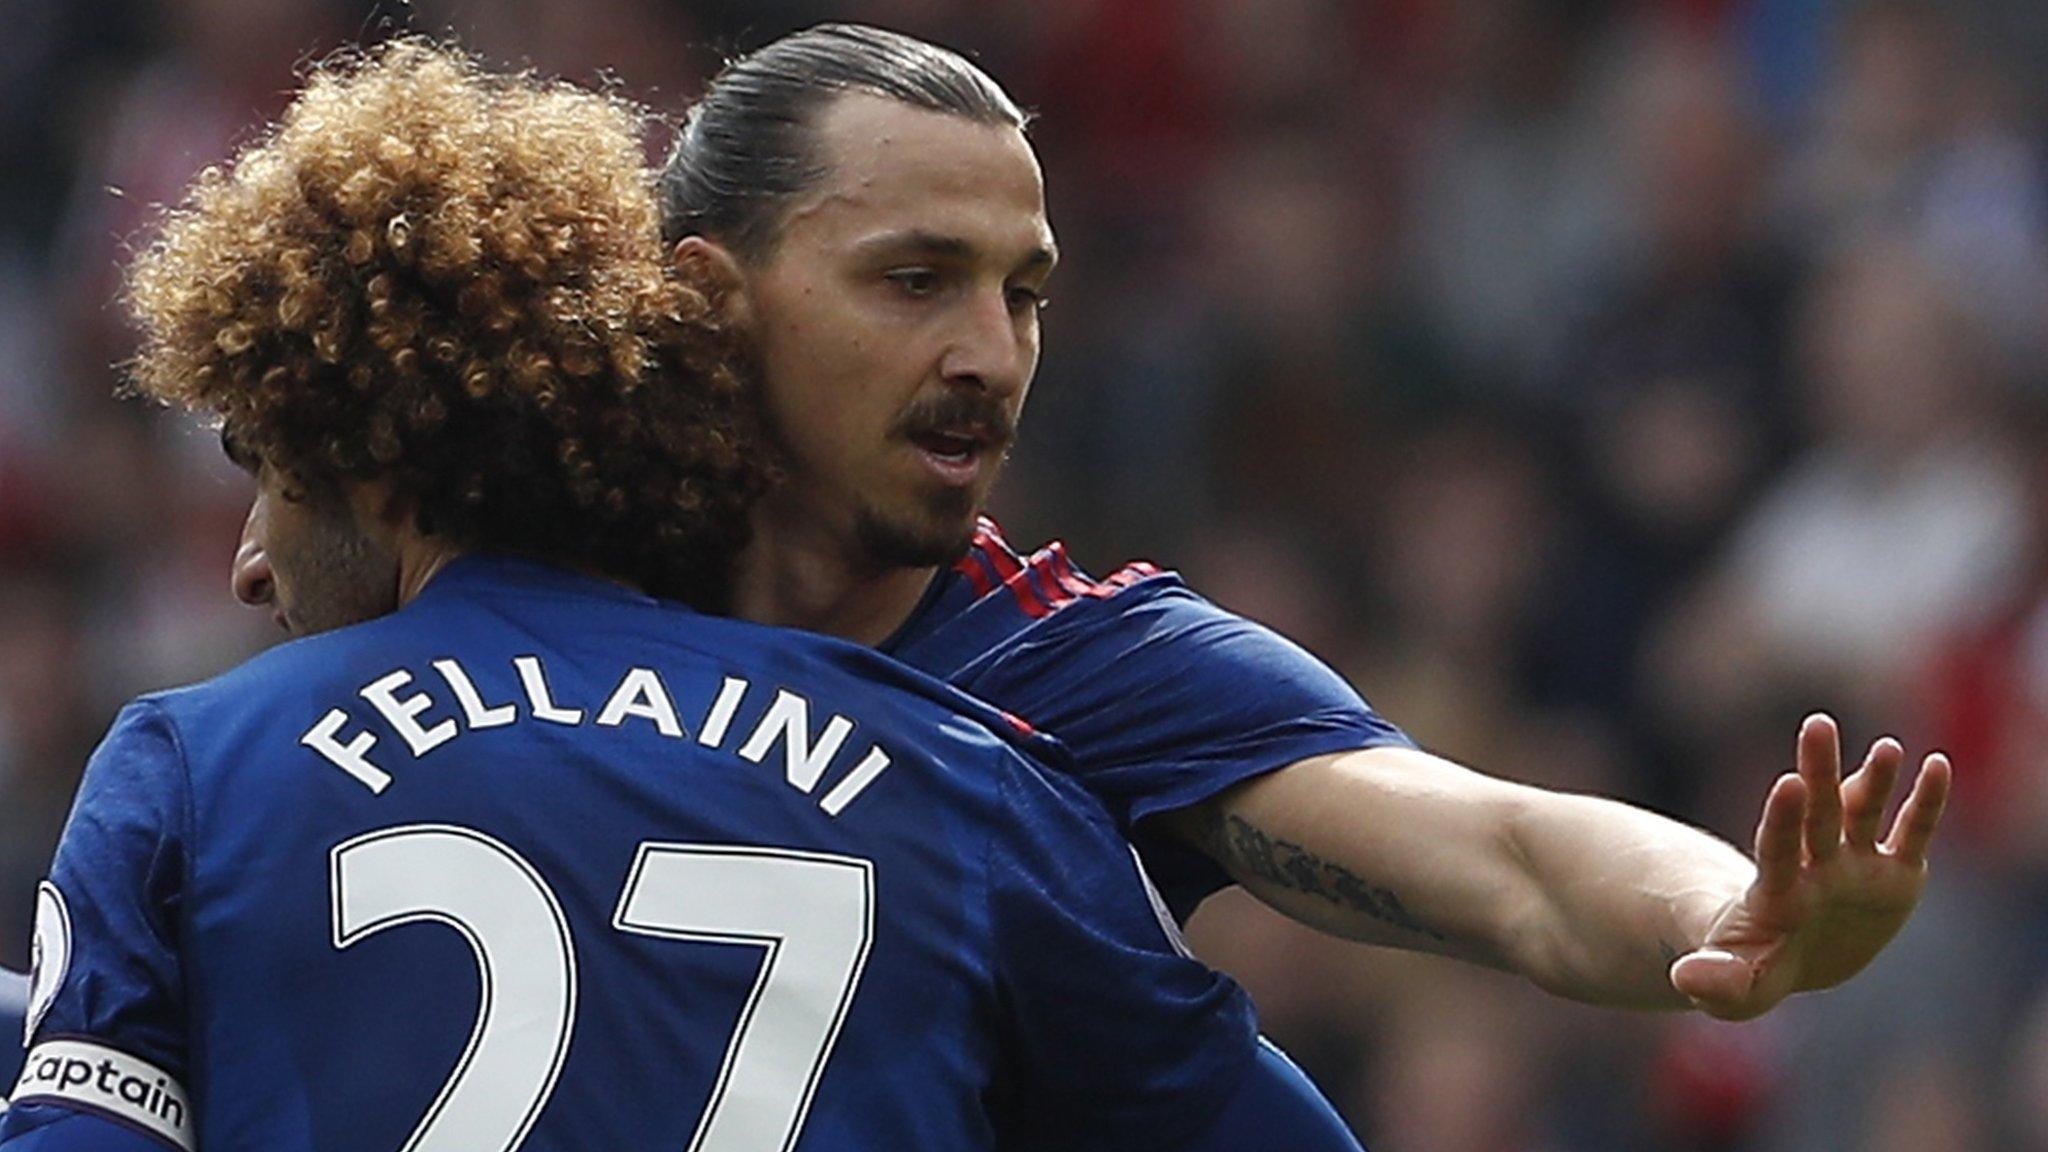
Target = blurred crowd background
(1600,385)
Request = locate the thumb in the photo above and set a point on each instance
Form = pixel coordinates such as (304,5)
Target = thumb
(1716,981)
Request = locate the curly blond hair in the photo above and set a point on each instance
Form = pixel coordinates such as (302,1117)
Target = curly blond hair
(453,280)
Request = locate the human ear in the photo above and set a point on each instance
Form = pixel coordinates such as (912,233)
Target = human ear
(711,268)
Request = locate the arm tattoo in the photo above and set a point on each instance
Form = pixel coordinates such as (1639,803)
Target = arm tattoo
(1242,844)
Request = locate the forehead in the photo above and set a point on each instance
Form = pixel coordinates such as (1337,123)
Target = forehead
(894,167)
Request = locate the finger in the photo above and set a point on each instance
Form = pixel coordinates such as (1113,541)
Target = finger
(1778,834)
(1868,790)
(1920,815)
(1820,765)
(1716,982)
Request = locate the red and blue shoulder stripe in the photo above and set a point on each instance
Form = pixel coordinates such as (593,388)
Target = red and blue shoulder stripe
(1042,583)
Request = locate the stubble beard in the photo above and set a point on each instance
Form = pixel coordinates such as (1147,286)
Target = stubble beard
(340,577)
(933,536)
(934,530)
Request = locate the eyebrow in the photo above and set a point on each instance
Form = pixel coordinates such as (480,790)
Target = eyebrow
(926,243)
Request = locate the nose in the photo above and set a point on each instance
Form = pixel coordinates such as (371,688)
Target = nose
(253,582)
(995,350)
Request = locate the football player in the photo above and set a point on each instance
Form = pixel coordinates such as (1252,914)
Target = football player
(510,848)
(871,212)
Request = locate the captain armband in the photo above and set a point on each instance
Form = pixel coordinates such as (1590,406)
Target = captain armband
(92,1077)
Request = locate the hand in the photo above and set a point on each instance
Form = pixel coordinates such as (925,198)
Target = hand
(1833,886)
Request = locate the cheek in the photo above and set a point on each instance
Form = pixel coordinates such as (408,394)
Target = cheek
(837,374)
(820,389)
(287,550)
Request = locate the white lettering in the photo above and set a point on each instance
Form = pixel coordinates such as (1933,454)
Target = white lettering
(728,702)
(96,1078)
(383,696)
(472,701)
(848,790)
(351,757)
(789,719)
(642,694)
(536,683)
(806,756)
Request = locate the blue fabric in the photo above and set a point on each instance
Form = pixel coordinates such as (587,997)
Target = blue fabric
(1161,698)
(1278,1110)
(1018,971)
(54,1128)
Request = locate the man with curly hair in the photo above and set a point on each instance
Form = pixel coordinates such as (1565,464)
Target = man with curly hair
(872,211)
(503,851)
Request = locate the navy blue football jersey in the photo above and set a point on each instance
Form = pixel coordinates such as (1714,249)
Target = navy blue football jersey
(1161,698)
(538,862)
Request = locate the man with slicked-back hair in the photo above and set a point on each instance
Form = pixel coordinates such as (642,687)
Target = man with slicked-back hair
(870,211)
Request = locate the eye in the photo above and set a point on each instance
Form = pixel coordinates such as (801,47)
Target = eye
(918,282)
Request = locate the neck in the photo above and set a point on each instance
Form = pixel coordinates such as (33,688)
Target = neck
(420,559)
(801,575)
(389,526)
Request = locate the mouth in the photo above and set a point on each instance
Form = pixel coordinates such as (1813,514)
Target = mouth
(956,455)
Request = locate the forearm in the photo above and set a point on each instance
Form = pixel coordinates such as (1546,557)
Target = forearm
(1588,898)
(1621,893)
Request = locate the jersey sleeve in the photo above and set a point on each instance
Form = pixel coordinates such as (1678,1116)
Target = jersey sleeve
(106,1014)
(1115,1037)
(1276,1108)
(1165,699)
(56,1128)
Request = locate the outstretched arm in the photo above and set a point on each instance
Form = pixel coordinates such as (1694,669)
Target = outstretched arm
(1590,898)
